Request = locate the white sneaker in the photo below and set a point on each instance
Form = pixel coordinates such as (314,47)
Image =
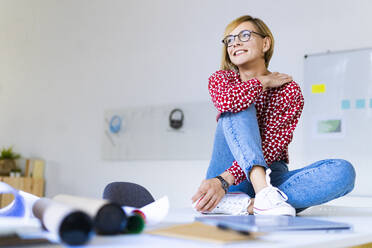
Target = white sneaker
(232,204)
(272,201)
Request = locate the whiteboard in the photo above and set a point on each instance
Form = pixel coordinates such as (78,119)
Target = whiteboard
(144,132)
(337,115)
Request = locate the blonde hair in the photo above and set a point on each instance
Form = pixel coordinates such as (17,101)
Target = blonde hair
(262,28)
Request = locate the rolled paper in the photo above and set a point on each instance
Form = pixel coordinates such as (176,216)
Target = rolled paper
(29,200)
(156,211)
(72,226)
(152,213)
(108,217)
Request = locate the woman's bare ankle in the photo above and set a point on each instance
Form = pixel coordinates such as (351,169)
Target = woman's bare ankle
(257,177)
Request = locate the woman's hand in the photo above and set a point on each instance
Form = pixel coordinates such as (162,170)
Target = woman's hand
(210,192)
(274,80)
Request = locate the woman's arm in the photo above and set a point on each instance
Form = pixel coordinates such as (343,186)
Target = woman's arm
(280,127)
(230,94)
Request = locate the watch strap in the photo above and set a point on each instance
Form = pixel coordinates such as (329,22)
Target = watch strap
(224,183)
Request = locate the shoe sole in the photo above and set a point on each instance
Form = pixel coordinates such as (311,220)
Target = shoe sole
(219,211)
(275,211)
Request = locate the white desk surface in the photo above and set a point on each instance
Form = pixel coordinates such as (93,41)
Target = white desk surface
(359,217)
(355,211)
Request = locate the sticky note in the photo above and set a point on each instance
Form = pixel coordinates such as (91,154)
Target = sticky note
(318,88)
(360,103)
(345,104)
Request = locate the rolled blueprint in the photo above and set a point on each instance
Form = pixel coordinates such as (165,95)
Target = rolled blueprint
(108,217)
(73,226)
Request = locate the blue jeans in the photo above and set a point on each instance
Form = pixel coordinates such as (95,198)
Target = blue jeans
(238,138)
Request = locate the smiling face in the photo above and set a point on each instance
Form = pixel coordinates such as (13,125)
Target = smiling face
(249,52)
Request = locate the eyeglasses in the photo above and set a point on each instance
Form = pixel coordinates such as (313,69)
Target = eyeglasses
(243,36)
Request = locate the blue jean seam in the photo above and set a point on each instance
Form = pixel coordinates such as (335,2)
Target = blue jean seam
(286,184)
(262,161)
(296,176)
(250,164)
(299,175)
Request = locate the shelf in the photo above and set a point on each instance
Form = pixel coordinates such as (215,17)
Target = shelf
(30,185)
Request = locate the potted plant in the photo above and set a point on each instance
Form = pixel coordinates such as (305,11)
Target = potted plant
(7,161)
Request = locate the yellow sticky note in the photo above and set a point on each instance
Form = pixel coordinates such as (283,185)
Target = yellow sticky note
(318,88)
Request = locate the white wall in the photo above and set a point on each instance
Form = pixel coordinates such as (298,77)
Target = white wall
(64,62)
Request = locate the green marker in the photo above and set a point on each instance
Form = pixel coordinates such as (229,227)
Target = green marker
(135,224)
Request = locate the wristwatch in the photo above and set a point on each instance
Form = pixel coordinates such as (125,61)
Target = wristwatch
(225,185)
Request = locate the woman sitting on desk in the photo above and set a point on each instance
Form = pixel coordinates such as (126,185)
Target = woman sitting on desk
(259,111)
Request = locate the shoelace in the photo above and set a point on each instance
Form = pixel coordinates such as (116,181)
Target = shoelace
(275,197)
(272,189)
(268,171)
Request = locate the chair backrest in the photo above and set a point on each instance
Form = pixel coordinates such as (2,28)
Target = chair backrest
(127,194)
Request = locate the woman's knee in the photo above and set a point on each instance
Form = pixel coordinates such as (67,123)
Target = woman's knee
(345,174)
(249,112)
(244,120)
(319,183)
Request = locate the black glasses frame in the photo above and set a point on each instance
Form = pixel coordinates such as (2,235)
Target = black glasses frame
(224,41)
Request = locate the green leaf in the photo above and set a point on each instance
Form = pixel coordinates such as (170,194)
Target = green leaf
(7,153)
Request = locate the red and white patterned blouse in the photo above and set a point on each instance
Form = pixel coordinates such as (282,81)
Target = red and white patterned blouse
(278,112)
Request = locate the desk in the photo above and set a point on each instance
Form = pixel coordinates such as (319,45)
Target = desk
(359,217)
(30,185)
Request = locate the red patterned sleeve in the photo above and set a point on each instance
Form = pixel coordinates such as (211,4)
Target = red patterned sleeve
(282,125)
(230,94)
(237,172)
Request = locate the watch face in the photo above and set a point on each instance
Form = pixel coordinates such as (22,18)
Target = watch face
(224,184)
